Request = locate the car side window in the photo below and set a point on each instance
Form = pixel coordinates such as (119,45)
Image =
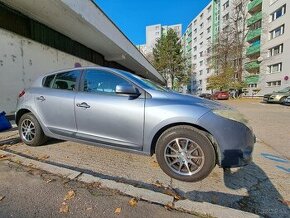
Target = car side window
(65,80)
(103,82)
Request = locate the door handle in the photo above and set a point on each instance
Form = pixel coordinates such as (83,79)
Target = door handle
(83,104)
(40,98)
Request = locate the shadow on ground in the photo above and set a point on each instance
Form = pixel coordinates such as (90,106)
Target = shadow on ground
(263,198)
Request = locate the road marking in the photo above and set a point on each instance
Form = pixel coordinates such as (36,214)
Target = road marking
(275,158)
(283,169)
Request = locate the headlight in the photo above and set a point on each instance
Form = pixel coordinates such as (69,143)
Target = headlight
(233,115)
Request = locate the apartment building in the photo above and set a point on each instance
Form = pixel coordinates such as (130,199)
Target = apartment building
(153,33)
(274,63)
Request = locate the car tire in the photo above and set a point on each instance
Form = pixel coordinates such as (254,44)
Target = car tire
(191,159)
(282,100)
(30,130)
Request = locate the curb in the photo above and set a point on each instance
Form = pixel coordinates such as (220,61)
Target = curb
(198,208)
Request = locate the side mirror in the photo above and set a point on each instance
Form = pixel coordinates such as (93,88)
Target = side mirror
(127,90)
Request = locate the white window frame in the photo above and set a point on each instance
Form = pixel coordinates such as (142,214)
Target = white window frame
(271,51)
(273,16)
(273,33)
(271,67)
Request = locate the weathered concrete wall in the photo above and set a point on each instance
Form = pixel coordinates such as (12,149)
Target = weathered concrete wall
(22,60)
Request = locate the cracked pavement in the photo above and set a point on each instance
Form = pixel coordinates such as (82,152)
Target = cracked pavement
(261,187)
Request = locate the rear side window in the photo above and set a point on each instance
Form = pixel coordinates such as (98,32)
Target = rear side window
(64,81)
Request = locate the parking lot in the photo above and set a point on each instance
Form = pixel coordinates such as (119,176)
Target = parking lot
(261,187)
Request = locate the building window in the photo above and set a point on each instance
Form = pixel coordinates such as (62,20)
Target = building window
(275,68)
(201,44)
(195,30)
(278,13)
(226,5)
(274,83)
(201,54)
(201,35)
(201,16)
(157,33)
(276,50)
(254,85)
(208,40)
(209,9)
(156,27)
(200,72)
(208,50)
(200,82)
(194,57)
(194,48)
(226,17)
(200,63)
(277,32)
(201,25)
(207,70)
(194,22)
(209,19)
(195,39)
(208,30)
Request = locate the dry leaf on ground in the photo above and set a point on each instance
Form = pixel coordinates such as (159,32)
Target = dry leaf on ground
(69,195)
(158,184)
(44,157)
(133,202)
(1,197)
(4,157)
(118,210)
(64,208)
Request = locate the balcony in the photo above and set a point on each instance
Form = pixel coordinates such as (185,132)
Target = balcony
(254,48)
(254,34)
(255,5)
(255,18)
(252,65)
(189,39)
(253,79)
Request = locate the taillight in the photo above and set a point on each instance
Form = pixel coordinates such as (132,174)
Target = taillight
(21,93)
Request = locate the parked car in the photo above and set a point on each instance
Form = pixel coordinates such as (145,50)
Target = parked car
(116,109)
(277,97)
(205,95)
(287,101)
(221,95)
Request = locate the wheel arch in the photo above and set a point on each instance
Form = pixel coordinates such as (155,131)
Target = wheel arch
(203,130)
(20,113)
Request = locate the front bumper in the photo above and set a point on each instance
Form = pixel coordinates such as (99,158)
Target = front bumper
(235,141)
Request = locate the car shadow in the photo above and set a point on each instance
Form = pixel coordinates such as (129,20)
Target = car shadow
(262,196)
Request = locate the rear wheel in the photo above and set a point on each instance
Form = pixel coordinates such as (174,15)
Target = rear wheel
(185,153)
(282,100)
(30,130)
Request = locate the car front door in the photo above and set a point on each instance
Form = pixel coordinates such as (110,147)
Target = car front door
(103,116)
(55,102)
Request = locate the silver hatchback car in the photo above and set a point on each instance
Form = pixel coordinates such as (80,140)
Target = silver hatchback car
(116,109)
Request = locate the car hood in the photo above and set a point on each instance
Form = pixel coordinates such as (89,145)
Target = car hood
(194,100)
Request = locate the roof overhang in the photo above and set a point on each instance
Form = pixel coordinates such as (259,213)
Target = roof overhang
(84,22)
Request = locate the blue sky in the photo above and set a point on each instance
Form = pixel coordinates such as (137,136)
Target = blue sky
(132,16)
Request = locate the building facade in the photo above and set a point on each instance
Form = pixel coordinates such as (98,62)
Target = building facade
(153,33)
(267,44)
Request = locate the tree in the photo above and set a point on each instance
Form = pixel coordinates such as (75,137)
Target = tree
(228,49)
(169,60)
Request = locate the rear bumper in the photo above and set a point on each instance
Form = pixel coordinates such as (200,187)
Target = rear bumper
(235,141)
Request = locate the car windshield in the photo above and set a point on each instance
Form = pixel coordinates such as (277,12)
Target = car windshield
(287,89)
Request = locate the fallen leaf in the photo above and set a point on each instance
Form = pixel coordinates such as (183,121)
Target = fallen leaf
(158,184)
(44,157)
(285,202)
(1,197)
(69,195)
(118,210)
(154,164)
(4,156)
(64,208)
(50,180)
(133,202)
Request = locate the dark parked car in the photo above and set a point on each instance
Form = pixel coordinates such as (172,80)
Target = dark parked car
(221,95)
(116,109)
(205,95)
(277,97)
(287,101)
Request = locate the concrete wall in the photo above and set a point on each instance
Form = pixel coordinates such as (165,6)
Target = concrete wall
(22,60)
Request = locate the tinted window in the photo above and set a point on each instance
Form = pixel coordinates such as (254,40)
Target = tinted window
(48,81)
(65,81)
(98,81)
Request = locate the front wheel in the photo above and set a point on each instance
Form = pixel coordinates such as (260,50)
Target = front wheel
(30,130)
(185,153)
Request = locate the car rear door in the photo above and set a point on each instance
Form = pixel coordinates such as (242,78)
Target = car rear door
(55,102)
(102,116)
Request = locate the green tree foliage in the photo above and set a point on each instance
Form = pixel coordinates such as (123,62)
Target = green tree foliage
(169,60)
